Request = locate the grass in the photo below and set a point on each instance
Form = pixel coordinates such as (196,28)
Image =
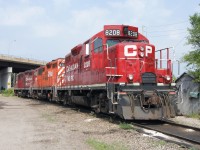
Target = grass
(125,126)
(8,92)
(194,115)
(97,145)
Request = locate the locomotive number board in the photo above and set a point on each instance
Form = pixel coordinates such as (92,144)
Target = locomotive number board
(117,32)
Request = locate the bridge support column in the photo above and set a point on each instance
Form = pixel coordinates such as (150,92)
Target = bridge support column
(5,78)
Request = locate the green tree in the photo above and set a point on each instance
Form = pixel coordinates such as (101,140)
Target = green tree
(193,57)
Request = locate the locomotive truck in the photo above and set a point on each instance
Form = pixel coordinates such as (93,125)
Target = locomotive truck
(115,72)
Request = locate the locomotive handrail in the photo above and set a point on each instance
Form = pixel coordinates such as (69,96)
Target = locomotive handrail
(163,49)
(162,59)
(108,60)
(107,51)
(129,58)
(160,50)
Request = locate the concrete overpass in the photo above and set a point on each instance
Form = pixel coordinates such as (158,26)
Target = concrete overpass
(10,65)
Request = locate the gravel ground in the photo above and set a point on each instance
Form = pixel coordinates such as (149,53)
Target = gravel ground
(187,121)
(31,124)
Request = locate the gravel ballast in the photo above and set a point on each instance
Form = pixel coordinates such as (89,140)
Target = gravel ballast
(32,124)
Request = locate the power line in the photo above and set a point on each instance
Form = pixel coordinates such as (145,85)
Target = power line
(168,34)
(180,22)
(166,30)
(180,41)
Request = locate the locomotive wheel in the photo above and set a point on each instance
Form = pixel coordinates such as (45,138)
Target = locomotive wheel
(49,97)
(97,110)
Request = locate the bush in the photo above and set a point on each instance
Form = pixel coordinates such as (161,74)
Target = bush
(8,92)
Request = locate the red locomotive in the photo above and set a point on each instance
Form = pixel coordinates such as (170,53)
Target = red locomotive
(115,72)
(41,81)
(24,82)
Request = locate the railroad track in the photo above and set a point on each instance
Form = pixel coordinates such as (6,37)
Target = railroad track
(184,132)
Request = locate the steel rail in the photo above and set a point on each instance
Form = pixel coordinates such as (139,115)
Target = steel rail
(184,132)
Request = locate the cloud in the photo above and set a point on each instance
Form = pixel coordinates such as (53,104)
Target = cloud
(16,16)
(47,30)
(61,4)
(87,22)
(141,11)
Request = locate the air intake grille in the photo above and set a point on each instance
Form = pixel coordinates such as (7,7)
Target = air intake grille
(148,77)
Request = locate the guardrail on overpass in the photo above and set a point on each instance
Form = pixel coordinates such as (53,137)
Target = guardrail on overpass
(11,58)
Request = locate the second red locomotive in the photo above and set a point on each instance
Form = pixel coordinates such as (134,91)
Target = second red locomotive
(115,72)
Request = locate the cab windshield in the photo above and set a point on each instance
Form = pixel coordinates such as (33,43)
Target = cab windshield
(112,42)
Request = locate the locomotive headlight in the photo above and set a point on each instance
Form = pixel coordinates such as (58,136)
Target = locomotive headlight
(130,77)
(141,54)
(142,48)
(167,78)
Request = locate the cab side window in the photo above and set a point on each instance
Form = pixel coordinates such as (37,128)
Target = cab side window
(87,49)
(62,64)
(98,43)
(48,66)
(54,65)
(40,71)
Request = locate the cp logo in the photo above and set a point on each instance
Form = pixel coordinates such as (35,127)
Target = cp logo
(131,50)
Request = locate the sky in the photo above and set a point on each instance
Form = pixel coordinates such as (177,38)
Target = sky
(49,29)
